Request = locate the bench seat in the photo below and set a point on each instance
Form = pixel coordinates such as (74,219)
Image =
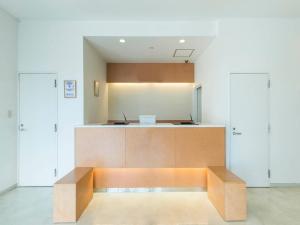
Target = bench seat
(227,192)
(72,195)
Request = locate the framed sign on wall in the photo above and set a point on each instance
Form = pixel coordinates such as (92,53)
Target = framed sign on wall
(70,87)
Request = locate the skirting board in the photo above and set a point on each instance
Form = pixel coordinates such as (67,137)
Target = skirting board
(278,185)
(8,189)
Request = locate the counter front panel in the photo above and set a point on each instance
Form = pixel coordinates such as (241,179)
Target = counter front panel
(107,147)
(100,147)
(149,156)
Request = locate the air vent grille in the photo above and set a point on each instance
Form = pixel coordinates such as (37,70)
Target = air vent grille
(183,53)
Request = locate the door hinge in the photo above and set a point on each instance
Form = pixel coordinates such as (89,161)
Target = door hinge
(269,83)
(269,128)
(55,172)
(55,127)
(55,83)
(269,173)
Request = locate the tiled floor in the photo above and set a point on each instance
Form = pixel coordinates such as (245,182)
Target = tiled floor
(33,206)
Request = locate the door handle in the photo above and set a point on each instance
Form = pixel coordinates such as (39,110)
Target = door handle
(236,133)
(21,128)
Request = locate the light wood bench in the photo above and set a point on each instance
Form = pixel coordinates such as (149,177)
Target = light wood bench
(227,192)
(72,195)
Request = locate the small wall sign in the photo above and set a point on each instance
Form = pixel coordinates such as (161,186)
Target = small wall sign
(70,89)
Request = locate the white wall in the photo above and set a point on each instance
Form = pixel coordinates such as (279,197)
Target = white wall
(166,101)
(262,45)
(8,101)
(259,45)
(95,108)
(57,46)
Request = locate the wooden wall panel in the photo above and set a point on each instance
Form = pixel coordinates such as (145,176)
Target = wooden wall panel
(150,73)
(149,177)
(150,147)
(199,147)
(99,147)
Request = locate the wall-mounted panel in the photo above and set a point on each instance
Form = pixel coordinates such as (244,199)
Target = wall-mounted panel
(150,73)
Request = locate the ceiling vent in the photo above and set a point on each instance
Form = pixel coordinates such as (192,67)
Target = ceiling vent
(183,53)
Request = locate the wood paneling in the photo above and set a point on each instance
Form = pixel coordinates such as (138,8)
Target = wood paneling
(72,195)
(150,73)
(200,147)
(84,192)
(190,177)
(62,194)
(149,177)
(150,147)
(227,193)
(100,147)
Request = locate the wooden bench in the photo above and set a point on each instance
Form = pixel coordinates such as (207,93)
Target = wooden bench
(227,192)
(72,195)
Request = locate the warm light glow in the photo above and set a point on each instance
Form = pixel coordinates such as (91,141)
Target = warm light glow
(151,83)
(181,41)
(122,40)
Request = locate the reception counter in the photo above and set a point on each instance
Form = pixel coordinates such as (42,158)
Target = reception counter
(162,155)
(149,156)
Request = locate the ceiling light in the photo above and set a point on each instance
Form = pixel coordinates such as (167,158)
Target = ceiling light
(122,40)
(181,41)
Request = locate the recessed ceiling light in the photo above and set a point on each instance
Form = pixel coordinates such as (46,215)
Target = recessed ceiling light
(181,41)
(122,40)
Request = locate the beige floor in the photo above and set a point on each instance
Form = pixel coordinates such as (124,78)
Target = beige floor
(33,206)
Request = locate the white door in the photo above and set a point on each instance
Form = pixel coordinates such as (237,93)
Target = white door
(38,126)
(249,118)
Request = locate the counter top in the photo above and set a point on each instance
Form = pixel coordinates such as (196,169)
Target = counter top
(136,125)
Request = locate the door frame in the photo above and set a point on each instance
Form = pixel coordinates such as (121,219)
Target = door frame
(195,102)
(55,76)
(228,129)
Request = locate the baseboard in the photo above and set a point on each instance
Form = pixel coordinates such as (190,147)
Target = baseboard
(8,189)
(274,185)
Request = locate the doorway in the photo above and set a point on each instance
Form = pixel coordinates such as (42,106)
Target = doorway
(198,104)
(37,129)
(249,128)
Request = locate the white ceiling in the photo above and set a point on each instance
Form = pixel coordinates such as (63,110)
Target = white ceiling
(149,9)
(148,49)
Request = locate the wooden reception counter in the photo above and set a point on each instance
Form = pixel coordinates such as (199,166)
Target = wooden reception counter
(162,155)
(135,156)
